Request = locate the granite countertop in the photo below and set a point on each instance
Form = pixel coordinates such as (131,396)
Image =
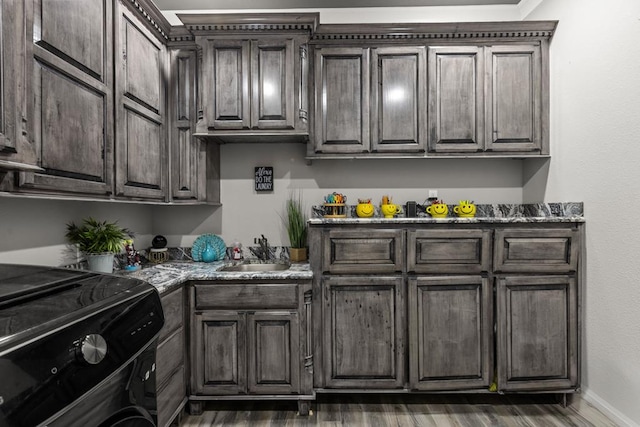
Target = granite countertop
(171,274)
(486,213)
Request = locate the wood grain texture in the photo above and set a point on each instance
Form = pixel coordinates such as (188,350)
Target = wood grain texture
(364,331)
(239,296)
(537,332)
(513,98)
(449,251)
(73,97)
(141,154)
(398,99)
(363,251)
(456,94)
(273,81)
(342,100)
(450,332)
(415,410)
(536,250)
(183,147)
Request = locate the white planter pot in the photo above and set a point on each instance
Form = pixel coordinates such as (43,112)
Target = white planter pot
(102,263)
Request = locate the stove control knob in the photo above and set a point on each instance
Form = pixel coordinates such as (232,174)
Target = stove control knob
(93,348)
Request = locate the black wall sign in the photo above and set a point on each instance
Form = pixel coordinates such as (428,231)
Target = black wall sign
(264,178)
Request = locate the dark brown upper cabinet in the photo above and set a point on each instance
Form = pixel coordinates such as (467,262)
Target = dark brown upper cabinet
(254,76)
(431,90)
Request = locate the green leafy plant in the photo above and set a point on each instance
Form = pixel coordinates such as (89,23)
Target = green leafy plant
(295,222)
(94,237)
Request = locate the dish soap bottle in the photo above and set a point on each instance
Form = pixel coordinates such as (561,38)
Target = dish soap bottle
(208,254)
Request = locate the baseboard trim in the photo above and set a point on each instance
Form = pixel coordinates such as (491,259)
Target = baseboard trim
(604,407)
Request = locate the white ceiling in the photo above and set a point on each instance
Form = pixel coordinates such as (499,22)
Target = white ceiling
(297,4)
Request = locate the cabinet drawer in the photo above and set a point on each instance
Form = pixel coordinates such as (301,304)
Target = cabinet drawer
(449,251)
(171,397)
(169,356)
(172,307)
(238,296)
(536,250)
(365,251)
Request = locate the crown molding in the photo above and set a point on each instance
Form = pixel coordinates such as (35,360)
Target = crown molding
(460,30)
(202,24)
(151,15)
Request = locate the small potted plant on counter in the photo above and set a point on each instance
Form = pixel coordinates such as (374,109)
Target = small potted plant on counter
(99,241)
(296,224)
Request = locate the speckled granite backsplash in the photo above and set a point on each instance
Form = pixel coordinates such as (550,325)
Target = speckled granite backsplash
(534,210)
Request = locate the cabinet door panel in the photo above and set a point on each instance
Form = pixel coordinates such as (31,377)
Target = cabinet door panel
(74,30)
(342,100)
(140,169)
(226,82)
(364,323)
(450,322)
(73,98)
(537,327)
(219,353)
(273,346)
(140,120)
(184,148)
(456,99)
(272,66)
(143,66)
(399,94)
(14,81)
(513,98)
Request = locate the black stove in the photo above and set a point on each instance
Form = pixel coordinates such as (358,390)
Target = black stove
(76,348)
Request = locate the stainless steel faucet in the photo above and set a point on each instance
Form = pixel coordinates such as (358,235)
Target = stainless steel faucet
(264,247)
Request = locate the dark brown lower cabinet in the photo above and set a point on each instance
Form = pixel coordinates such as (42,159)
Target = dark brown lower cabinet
(537,333)
(364,331)
(240,353)
(250,341)
(450,332)
(171,365)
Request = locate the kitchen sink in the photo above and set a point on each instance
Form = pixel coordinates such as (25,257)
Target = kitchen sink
(256,267)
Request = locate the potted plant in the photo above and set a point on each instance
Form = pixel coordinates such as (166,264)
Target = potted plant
(296,225)
(99,241)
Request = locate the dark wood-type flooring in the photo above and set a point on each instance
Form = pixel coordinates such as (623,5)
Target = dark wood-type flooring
(406,410)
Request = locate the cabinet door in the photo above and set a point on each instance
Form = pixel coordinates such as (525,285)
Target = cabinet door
(537,327)
(273,82)
(513,98)
(226,80)
(456,121)
(73,97)
(140,118)
(12,74)
(183,147)
(274,353)
(342,100)
(398,99)
(364,332)
(450,333)
(218,353)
